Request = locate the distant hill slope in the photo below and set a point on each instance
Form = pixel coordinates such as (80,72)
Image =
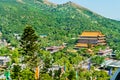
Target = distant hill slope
(59,22)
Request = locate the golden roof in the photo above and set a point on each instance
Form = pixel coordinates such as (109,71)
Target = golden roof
(92,33)
(81,45)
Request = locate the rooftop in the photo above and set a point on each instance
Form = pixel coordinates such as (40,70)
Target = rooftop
(111,63)
(81,45)
(92,33)
(3,57)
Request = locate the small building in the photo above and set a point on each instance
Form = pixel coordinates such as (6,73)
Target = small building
(91,38)
(105,52)
(54,67)
(111,63)
(54,49)
(43,36)
(17,36)
(4,60)
(3,43)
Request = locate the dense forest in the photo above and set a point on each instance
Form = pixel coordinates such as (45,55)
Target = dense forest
(60,23)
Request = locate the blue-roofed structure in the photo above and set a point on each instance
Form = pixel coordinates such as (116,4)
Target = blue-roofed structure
(116,75)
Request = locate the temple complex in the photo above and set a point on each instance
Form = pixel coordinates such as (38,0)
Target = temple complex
(90,39)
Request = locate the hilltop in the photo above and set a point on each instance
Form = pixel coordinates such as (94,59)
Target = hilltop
(60,22)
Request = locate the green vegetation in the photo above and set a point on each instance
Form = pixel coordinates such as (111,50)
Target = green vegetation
(68,60)
(117,52)
(97,60)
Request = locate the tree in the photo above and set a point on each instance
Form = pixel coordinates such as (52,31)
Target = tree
(15,55)
(47,60)
(71,75)
(27,74)
(117,52)
(101,75)
(45,76)
(57,74)
(29,41)
(16,72)
(4,51)
(29,47)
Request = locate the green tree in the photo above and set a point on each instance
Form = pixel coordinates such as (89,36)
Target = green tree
(57,74)
(29,47)
(29,41)
(45,77)
(4,51)
(101,75)
(16,72)
(71,75)
(117,52)
(27,74)
(47,60)
(15,56)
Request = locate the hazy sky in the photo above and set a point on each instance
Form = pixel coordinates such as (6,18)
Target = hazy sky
(107,8)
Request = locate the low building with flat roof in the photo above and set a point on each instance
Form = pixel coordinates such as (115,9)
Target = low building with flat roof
(105,52)
(54,49)
(111,63)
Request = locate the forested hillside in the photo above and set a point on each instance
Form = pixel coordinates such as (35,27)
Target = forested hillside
(60,23)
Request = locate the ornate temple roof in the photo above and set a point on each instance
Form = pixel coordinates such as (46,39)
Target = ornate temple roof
(92,33)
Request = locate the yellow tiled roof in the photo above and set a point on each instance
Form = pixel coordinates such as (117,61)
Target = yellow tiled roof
(81,45)
(92,33)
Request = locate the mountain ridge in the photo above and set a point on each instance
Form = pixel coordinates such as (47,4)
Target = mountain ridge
(60,22)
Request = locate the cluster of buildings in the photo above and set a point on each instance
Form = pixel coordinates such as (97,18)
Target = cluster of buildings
(90,39)
(87,39)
